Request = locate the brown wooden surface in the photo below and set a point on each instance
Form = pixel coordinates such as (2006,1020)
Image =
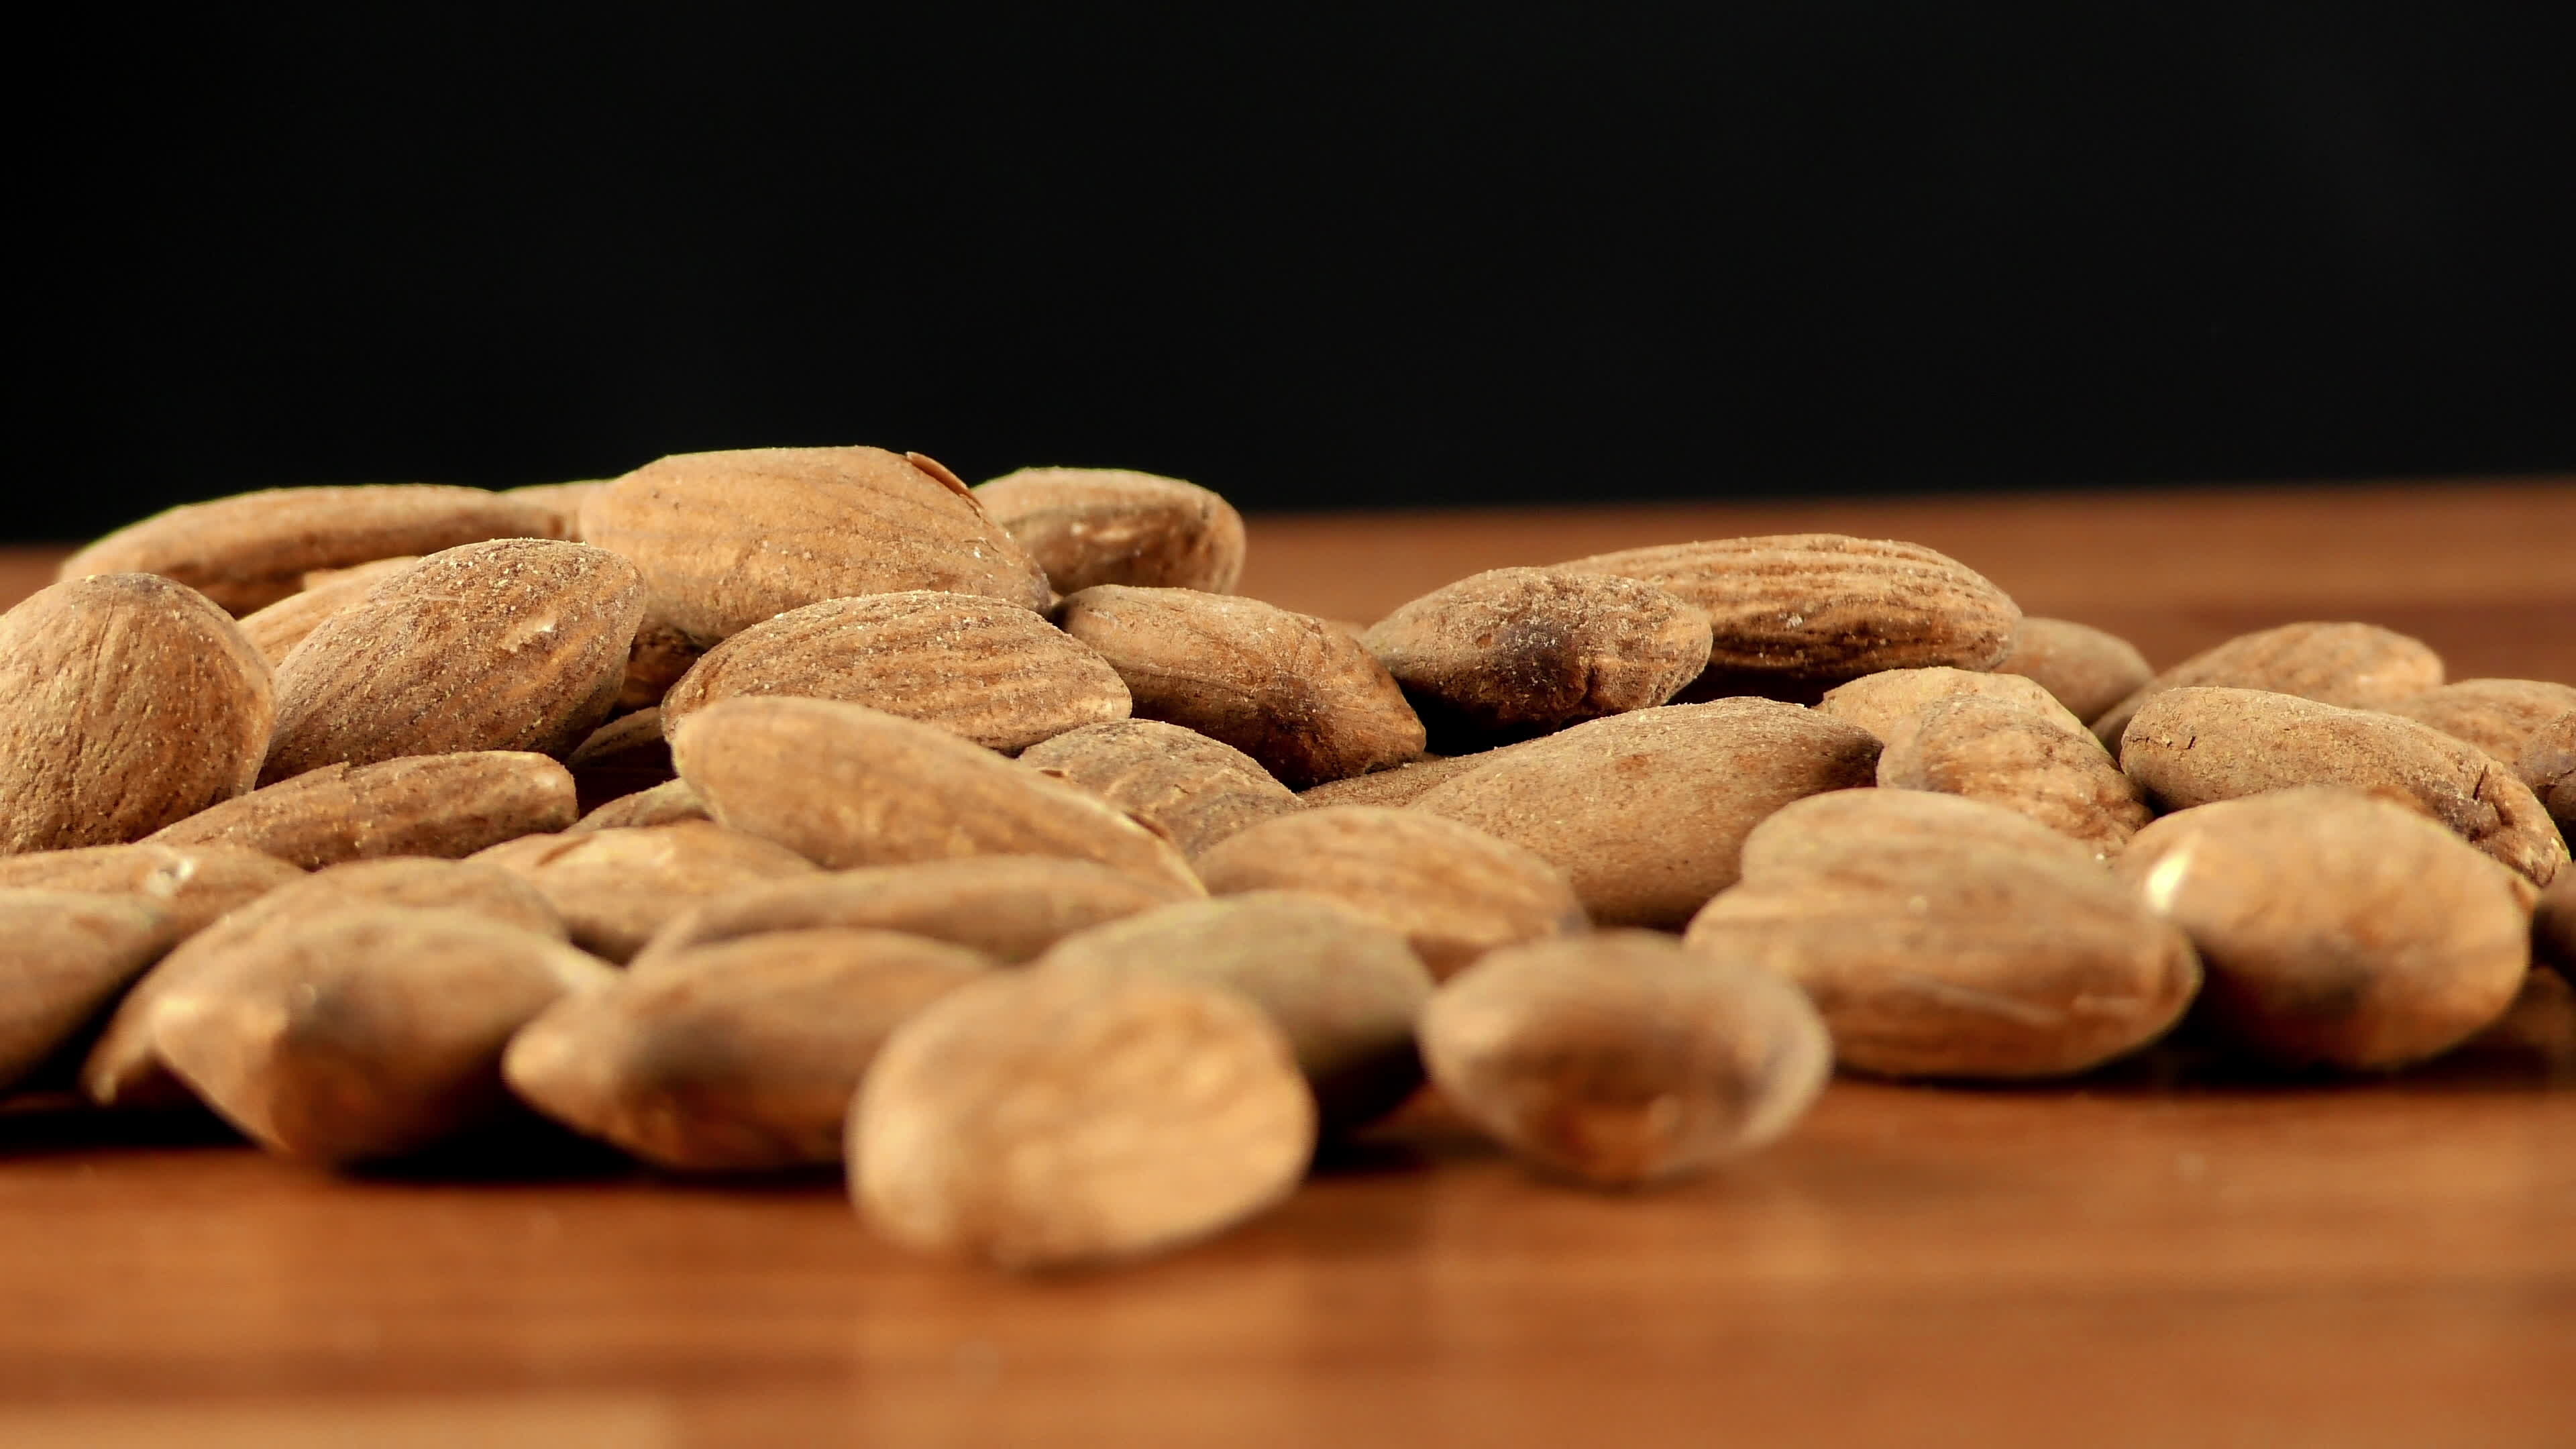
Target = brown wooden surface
(2134,1260)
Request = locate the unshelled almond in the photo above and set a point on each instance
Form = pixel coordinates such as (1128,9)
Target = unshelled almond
(2498,716)
(2088,670)
(441,805)
(63,956)
(1983,748)
(1089,526)
(615,888)
(1881,703)
(1194,789)
(2358,666)
(194,884)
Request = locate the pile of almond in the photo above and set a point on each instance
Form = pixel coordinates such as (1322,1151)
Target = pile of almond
(807,806)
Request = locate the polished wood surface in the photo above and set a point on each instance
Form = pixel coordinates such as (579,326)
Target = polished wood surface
(2156,1256)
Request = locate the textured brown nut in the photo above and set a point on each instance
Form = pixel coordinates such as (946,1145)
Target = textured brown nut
(845,785)
(1089,526)
(1453,890)
(2358,666)
(1194,789)
(517,644)
(2336,928)
(1881,703)
(1646,812)
(659,658)
(2548,765)
(363,1034)
(743,1057)
(253,549)
(1517,652)
(442,805)
(2553,925)
(1821,606)
(726,540)
(985,670)
(1344,989)
(2086,669)
(2498,716)
(194,884)
(1622,1058)
(63,956)
(1291,691)
(1407,782)
(668,803)
(1050,1117)
(126,702)
(615,888)
(124,1069)
(561,501)
(1943,937)
(276,630)
(2198,746)
(1985,749)
(1010,907)
(622,757)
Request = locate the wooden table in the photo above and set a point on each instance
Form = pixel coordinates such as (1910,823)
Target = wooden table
(2131,1260)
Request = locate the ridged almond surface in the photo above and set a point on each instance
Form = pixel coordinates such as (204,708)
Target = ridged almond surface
(1984,748)
(1291,691)
(517,644)
(1454,891)
(726,540)
(127,702)
(2088,670)
(1405,783)
(2548,765)
(1646,812)
(985,670)
(1881,703)
(276,630)
(1089,526)
(2498,716)
(2357,666)
(442,805)
(844,785)
(2196,746)
(1194,789)
(253,549)
(615,888)
(1819,606)
(194,884)
(63,956)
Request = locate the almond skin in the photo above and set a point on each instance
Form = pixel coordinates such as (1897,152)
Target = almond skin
(2197,746)
(441,805)
(194,884)
(1196,790)
(1089,526)
(2085,669)
(1405,783)
(660,657)
(127,702)
(277,629)
(1291,691)
(253,549)
(561,501)
(1983,748)
(1881,703)
(1824,606)
(615,888)
(726,540)
(988,671)
(2548,765)
(669,803)
(2357,666)
(518,644)
(2498,716)
(844,785)
(63,956)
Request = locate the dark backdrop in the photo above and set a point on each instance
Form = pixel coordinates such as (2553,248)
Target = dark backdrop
(1406,253)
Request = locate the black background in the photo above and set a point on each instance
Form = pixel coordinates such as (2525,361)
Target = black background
(1394,254)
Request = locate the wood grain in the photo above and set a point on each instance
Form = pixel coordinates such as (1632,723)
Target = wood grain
(2150,1258)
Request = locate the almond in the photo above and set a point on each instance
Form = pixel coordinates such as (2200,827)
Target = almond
(659,658)
(64,956)
(1881,703)
(518,644)
(726,540)
(442,805)
(1405,783)
(615,888)
(253,549)
(276,630)
(2031,763)
(1089,526)
(669,803)
(2358,666)
(2548,765)
(127,702)
(2084,668)
(1291,691)
(2498,716)
(622,757)
(561,501)
(988,671)
(1196,790)
(193,884)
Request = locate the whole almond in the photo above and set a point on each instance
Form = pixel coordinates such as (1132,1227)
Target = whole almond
(668,803)
(622,757)
(1454,891)
(1089,526)
(64,956)
(253,549)
(2358,666)
(1009,907)
(743,1057)
(2336,928)
(193,884)
(2201,745)
(2548,765)
(988,671)
(442,805)
(726,540)
(275,630)
(844,785)
(1983,748)
(2498,716)
(517,644)
(1346,990)
(126,702)
(1050,1117)
(363,1034)
(1291,691)
(615,888)
(1882,703)
(1623,1059)
(1196,790)
(2088,670)
(1646,812)
(1516,652)
(1823,606)
(1945,937)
